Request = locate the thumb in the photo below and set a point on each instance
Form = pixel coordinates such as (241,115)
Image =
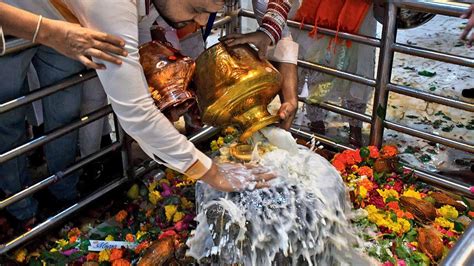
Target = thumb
(262,53)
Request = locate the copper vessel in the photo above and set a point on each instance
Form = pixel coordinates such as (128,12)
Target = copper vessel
(234,87)
(168,74)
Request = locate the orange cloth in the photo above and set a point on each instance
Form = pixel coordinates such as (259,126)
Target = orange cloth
(339,15)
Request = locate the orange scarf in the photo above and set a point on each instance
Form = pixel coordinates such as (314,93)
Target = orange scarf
(339,15)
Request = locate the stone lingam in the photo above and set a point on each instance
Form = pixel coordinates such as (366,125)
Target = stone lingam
(301,219)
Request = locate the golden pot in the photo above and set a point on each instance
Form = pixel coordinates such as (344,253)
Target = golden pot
(168,74)
(234,87)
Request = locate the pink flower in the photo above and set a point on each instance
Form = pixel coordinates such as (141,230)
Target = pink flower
(181,226)
(471,189)
(387,263)
(401,263)
(166,190)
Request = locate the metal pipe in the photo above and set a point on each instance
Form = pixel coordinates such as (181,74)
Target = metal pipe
(435,55)
(448,9)
(337,73)
(441,181)
(55,134)
(340,110)
(463,251)
(56,177)
(37,230)
(384,73)
(343,35)
(43,92)
(430,137)
(431,97)
(326,141)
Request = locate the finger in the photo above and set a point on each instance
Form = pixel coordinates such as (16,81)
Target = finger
(265,176)
(103,56)
(107,47)
(89,63)
(262,53)
(109,38)
(261,185)
(234,42)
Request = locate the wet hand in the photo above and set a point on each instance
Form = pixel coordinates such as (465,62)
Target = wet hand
(232,177)
(287,114)
(469,26)
(257,38)
(81,43)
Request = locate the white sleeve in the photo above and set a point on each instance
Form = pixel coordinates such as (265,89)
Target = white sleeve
(285,51)
(2,42)
(127,89)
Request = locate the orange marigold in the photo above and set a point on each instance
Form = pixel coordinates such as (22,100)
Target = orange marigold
(340,166)
(374,152)
(367,184)
(92,256)
(116,254)
(471,214)
(142,246)
(120,216)
(121,262)
(340,157)
(389,151)
(393,205)
(72,239)
(352,157)
(74,232)
(365,170)
(129,238)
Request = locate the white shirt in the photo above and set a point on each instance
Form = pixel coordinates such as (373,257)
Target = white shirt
(125,85)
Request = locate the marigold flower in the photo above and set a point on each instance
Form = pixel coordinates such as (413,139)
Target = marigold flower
(448,212)
(109,238)
(365,182)
(115,254)
(178,216)
(154,197)
(388,151)
(120,216)
(62,242)
(363,192)
(412,193)
(121,262)
(104,255)
(340,157)
(351,157)
(74,232)
(386,193)
(92,256)
(140,234)
(142,246)
(366,171)
(130,238)
(170,210)
(339,165)
(20,255)
(393,205)
(374,152)
(471,214)
(186,204)
(443,222)
(72,239)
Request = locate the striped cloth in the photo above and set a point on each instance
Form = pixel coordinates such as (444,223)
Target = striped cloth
(274,19)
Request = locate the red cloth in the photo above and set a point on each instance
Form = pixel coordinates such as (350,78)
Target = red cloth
(339,15)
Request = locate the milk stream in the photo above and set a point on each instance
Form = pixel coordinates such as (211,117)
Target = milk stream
(302,219)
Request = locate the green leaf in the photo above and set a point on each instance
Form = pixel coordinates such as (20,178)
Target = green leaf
(429,199)
(409,149)
(459,227)
(460,125)
(109,230)
(431,151)
(381,112)
(364,152)
(402,251)
(412,116)
(447,117)
(432,88)
(439,113)
(393,216)
(470,127)
(390,199)
(426,73)
(425,158)
(172,200)
(410,236)
(437,123)
(421,258)
(448,128)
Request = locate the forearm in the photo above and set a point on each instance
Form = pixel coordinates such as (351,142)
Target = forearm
(289,92)
(275,18)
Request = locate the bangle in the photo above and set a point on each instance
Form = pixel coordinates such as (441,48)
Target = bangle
(37,28)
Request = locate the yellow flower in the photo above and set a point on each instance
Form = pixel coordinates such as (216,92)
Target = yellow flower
(140,234)
(62,242)
(152,186)
(20,255)
(386,193)
(412,193)
(351,177)
(220,141)
(104,255)
(53,250)
(186,204)
(371,209)
(414,243)
(214,146)
(405,225)
(363,192)
(109,238)
(170,210)
(154,197)
(178,216)
(443,222)
(448,212)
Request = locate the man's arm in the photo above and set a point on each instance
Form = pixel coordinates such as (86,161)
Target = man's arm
(127,89)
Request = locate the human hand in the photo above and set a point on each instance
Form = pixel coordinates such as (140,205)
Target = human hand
(469,26)
(81,43)
(257,38)
(287,113)
(232,177)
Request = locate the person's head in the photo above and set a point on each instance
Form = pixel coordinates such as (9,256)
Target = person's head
(179,13)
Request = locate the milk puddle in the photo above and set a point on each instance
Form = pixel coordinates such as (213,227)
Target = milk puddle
(302,219)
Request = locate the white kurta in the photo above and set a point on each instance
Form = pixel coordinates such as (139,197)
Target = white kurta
(125,85)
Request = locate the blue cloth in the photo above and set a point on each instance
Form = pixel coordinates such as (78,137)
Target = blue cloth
(59,108)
